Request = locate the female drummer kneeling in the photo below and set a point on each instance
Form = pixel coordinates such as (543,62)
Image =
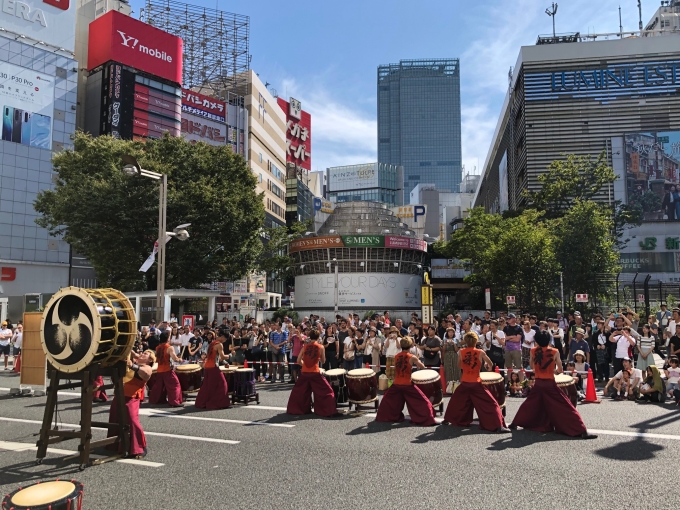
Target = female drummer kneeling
(311,382)
(471,394)
(404,391)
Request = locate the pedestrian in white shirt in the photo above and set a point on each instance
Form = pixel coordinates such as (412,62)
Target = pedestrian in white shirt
(17,339)
(5,337)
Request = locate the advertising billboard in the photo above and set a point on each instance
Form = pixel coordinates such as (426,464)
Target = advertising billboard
(353,177)
(298,133)
(358,241)
(27,100)
(204,106)
(371,290)
(203,118)
(652,162)
(52,22)
(131,42)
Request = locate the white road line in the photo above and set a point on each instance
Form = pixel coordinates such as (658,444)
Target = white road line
(168,414)
(634,434)
(159,434)
(24,447)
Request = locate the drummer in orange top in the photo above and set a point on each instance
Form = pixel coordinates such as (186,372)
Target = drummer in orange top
(167,383)
(547,408)
(471,393)
(214,392)
(404,391)
(311,382)
(98,392)
(138,373)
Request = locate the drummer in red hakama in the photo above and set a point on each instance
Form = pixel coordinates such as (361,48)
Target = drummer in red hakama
(312,382)
(471,394)
(167,387)
(138,373)
(214,392)
(98,393)
(404,391)
(547,408)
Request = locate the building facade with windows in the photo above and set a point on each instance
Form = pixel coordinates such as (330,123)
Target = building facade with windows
(370,182)
(419,123)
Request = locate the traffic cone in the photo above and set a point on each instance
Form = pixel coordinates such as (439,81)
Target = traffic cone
(17,363)
(442,378)
(591,396)
(245,363)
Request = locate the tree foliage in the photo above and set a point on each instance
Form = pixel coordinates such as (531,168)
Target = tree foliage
(275,258)
(112,218)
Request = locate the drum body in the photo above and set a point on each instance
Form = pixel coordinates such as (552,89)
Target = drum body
(567,384)
(154,375)
(228,373)
(337,378)
(244,382)
(190,377)
(362,385)
(81,327)
(429,383)
(495,383)
(58,495)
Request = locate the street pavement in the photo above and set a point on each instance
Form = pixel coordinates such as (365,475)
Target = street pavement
(259,457)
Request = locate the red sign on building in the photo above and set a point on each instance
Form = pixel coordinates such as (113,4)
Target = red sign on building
(133,43)
(298,133)
(204,106)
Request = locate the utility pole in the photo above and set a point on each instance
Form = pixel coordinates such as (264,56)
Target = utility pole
(640,12)
(562,290)
(620,24)
(552,13)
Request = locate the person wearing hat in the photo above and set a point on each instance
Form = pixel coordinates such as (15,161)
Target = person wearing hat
(578,343)
(5,337)
(547,408)
(403,391)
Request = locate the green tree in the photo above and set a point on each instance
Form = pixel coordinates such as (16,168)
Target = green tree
(112,218)
(275,258)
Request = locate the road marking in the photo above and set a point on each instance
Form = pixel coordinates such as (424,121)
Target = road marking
(24,447)
(158,434)
(634,434)
(168,414)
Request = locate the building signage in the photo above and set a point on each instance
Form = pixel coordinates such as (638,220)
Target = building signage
(370,290)
(363,241)
(311,243)
(324,206)
(358,241)
(449,268)
(52,22)
(27,100)
(412,215)
(298,133)
(204,106)
(406,243)
(353,177)
(199,129)
(131,42)
(650,262)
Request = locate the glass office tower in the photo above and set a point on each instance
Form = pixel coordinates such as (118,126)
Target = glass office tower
(419,121)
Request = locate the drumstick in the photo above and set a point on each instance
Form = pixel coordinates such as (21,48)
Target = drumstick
(181,354)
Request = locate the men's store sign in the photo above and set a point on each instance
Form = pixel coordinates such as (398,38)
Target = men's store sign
(358,241)
(52,22)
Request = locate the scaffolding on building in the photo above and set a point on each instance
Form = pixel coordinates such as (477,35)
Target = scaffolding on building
(216,43)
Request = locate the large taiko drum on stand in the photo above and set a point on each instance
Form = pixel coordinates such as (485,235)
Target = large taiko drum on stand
(362,384)
(336,377)
(430,384)
(495,383)
(190,377)
(57,495)
(567,384)
(81,327)
(228,373)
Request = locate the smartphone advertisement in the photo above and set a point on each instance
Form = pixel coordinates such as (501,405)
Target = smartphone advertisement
(27,101)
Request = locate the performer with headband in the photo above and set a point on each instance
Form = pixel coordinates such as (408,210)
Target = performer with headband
(471,393)
(547,408)
(214,392)
(404,391)
(167,383)
(138,373)
(312,382)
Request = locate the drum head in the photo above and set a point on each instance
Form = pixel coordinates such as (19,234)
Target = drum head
(43,494)
(425,376)
(189,367)
(490,377)
(360,373)
(333,372)
(564,379)
(244,370)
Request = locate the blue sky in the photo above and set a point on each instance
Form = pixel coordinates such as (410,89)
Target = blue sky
(326,54)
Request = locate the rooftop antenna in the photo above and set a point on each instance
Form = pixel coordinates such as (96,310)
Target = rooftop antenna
(552,13)
(640,11)
(620,25)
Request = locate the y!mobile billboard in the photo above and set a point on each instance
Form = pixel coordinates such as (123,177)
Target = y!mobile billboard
(131,42)
(27,100)
(52,22)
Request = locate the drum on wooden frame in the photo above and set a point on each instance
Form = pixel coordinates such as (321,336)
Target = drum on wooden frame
(337,378)
(430,384)
(567,384)
(228,373)
(190,377)
(495,383)
(362,386)
(81,327)
(244,382)
(56,495)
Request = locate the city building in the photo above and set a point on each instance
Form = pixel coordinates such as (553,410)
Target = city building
(379,182)
(38,84)
(588,96)
(361,258)
(299,198)
(443,209)
(419,121)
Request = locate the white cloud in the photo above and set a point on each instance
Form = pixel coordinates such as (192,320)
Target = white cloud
(342,134)
(478,125)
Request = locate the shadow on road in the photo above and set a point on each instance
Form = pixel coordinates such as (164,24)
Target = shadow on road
(636,450)
(526,438)
(25,472)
